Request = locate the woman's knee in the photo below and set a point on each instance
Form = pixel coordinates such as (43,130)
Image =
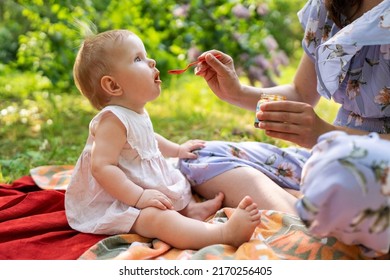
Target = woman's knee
(344,180)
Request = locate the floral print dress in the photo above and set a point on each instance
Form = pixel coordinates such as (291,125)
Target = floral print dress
(352,64)
(345,179)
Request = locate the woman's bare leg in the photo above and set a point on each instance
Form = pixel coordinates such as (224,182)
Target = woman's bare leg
(186,233)
(242,181)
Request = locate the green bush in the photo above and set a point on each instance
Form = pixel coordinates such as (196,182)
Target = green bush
(43,36)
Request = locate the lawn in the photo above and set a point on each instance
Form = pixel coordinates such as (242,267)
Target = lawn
(50,129)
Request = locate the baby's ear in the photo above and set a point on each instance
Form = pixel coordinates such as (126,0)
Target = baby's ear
(110,86)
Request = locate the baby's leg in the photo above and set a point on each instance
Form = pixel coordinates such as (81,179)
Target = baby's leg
(185,233)
(203,210)
(241,225)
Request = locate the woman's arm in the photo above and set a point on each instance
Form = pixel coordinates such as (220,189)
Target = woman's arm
(292,120)
(222,79)
(353,131)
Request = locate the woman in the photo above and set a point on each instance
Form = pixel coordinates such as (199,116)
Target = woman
(347,58)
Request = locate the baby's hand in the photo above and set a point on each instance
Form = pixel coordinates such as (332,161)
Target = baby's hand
(185,149)
(154,198)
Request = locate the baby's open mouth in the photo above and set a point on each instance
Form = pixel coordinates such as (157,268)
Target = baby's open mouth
(157,77)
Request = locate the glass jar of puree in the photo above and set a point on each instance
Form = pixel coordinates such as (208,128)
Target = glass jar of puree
(266,98)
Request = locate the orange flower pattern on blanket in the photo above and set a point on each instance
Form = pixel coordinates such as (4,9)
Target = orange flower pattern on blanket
(279,236)
(52,177)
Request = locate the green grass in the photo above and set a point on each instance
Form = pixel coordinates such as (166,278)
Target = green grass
(48,129)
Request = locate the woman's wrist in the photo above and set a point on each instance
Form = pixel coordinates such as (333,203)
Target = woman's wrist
(247,97)
(350,131)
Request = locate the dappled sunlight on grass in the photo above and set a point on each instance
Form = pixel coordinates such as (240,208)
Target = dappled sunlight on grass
(41,131)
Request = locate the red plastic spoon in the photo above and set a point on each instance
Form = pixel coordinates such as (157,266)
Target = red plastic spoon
(180,71)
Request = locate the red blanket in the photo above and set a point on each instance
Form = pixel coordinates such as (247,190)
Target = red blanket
(33,224)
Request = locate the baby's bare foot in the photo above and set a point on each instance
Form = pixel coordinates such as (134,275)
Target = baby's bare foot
(241,225)
(203,210)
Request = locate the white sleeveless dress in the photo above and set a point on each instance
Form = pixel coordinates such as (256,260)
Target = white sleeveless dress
(89,208)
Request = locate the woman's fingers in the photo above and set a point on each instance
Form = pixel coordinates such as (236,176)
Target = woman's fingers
(286,106)
(292,121)
(287,112)
(213,64)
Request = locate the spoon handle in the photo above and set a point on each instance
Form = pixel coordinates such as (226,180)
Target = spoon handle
(180,71)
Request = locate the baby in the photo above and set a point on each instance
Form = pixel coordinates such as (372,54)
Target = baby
(122,182)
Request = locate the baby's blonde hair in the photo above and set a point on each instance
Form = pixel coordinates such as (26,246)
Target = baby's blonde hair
(93,62)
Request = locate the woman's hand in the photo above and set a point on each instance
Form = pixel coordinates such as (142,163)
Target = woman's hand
(220,75)
(292,121)
(185,149)
(153,198)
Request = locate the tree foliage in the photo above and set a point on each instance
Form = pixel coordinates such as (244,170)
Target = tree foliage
(42,36)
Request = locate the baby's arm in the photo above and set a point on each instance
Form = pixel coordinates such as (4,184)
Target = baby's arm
(110,138)
(171,149)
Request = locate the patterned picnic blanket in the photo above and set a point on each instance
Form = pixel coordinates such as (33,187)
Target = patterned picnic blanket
(278,236)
